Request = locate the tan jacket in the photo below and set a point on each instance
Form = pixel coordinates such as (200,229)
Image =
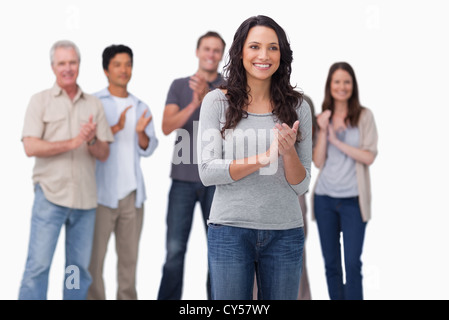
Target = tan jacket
(368,141)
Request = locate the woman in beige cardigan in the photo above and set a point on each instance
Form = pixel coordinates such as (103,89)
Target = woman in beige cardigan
(346,146)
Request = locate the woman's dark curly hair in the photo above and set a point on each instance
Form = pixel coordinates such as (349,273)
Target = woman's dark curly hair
(285,100)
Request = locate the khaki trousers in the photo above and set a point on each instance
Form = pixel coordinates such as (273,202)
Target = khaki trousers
(126,223)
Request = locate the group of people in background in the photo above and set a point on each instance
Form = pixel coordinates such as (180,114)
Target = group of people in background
(252,138)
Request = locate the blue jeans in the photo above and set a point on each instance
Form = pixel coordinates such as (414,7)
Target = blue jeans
(46,222)
(235,254)
(182,199)
(335,216)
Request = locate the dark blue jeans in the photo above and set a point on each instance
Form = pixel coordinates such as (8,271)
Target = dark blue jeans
(182,199)
(235,254)
(335,216)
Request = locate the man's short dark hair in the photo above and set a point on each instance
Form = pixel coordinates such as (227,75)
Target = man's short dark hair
(208,35)
(112,50)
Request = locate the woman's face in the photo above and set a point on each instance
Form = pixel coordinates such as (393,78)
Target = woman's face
(341,85)
(261,53)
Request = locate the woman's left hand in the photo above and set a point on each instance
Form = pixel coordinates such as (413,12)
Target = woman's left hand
(286,137)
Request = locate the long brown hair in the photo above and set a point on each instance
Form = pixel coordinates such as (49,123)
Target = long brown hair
(284,98)
(354,106)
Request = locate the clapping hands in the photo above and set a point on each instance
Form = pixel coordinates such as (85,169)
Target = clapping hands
(283,142)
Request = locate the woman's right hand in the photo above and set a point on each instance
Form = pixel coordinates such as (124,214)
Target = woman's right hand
(323,119)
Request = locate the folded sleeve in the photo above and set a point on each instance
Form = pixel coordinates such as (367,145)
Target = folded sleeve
(104,132)
(33,123)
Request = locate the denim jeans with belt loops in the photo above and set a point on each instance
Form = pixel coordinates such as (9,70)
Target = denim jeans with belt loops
(235,254)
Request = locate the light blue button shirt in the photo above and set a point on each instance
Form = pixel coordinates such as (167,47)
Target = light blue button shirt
(107,179)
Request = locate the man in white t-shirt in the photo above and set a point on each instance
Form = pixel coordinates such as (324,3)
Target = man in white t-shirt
(120,182)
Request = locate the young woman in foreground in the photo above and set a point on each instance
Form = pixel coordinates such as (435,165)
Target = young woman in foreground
(255,145)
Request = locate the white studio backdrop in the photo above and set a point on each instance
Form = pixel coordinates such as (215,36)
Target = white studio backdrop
(400,55)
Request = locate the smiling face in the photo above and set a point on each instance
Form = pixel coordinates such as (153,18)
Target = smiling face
(210,53)
(341,85)
(65,67)
(261,53)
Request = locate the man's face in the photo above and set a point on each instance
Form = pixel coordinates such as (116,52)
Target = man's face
(210,53)
(119,70)
(65,67)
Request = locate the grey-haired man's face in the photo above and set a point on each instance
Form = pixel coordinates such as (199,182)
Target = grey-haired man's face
(65,67)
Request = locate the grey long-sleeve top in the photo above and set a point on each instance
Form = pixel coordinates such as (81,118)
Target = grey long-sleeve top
(264,199)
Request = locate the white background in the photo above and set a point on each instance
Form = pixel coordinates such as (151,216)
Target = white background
(400,55)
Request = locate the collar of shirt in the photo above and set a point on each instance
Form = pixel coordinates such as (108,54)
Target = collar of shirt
(106,94)
(57,90)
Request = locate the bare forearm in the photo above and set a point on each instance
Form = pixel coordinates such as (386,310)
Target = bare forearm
(319,151)
(35,147)
(244,167)
(177,120)
(100,150)
(293,168)
(144,140)
(359,155)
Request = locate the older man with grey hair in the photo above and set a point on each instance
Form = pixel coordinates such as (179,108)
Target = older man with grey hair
(65,130)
